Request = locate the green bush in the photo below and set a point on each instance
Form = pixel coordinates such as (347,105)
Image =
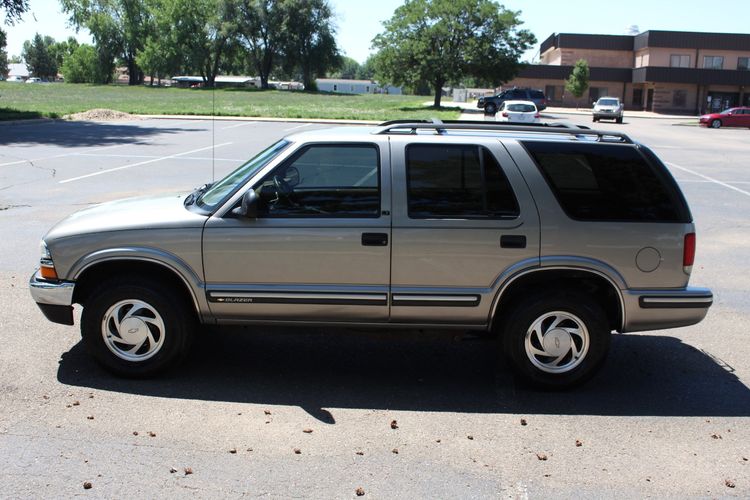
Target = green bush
(82,66)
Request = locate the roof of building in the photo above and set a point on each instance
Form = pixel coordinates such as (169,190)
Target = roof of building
(345,81)
(18,69)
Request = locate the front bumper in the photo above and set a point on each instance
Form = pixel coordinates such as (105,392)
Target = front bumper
(661,309)
(607,114)
(54,298)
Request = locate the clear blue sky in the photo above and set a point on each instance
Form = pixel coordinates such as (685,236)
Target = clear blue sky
(359,21)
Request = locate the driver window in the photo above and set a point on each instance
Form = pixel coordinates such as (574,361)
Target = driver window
(324,181)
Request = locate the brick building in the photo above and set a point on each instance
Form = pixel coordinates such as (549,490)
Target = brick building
(661,71)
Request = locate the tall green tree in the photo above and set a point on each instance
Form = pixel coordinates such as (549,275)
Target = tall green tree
(578,81)
(62,50)
(39,57)
(310,45)
(440,41)
(261,32)
(3,55)
(348,69)
(14,9)
(118,27)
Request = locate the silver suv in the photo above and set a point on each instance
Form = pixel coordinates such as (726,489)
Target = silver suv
(550,238)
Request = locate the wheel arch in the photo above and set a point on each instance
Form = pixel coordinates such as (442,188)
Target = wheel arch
(595,283)
(90,275)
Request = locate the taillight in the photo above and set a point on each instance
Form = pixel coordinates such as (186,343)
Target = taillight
(537,115)
(505,114)
(688,253)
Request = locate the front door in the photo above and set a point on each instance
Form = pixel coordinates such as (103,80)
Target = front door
(319,249)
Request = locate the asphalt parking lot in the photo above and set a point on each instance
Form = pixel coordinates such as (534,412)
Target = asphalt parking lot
(669,416)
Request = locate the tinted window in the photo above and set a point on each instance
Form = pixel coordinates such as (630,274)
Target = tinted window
(607,182)
(457,182)
(537,94)
(521,108)
(324,181)
(516,94)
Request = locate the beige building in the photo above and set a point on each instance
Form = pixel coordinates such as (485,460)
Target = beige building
(661,71)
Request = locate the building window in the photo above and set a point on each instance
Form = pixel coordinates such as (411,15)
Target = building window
(679,61)
(743,63)
(335,88)
(713,62)
(679,98)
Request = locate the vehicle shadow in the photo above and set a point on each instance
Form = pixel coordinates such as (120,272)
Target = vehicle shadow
(79,134)
(424,371)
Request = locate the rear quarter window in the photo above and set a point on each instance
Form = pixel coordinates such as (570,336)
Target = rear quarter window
(606,182)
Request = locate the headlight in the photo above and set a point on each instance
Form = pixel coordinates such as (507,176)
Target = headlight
(44,251)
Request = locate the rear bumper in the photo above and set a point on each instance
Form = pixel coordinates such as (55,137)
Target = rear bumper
(54,298)
(661,309)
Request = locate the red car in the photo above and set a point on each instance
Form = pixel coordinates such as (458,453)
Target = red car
(732,117)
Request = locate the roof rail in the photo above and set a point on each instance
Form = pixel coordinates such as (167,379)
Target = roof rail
(544,128)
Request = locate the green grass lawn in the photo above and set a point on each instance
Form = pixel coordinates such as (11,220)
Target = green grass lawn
(58,99)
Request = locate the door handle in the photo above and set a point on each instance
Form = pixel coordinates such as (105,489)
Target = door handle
(374,239)
(513,241)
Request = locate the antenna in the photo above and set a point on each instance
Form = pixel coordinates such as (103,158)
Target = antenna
(213,132)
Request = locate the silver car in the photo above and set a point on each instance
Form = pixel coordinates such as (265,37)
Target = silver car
(608,108)
(549,238)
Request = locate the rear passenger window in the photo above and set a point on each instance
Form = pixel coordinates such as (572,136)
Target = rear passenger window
(600,182)
(457,182)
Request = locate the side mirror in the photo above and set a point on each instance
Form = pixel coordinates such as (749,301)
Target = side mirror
(249,206)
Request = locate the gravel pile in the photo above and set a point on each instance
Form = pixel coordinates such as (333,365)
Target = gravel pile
(101,115)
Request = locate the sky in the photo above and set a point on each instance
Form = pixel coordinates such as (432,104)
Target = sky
(358,21)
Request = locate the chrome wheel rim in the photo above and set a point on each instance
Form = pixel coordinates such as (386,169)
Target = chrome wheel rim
(133,330)
(557,342)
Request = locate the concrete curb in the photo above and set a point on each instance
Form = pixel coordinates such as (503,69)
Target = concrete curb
(323,121)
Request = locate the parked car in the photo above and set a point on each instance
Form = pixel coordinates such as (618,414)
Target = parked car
(548,237)
(733,117)
(518,111)
(34,79)
(492,103)
(608,108)
(15,78)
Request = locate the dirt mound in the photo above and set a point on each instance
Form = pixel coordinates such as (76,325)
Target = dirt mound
(101,115)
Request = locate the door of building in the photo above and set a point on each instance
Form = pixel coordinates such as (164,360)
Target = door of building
(650,100)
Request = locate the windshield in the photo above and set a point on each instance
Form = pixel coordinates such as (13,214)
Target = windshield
(608,102)
(522,108)
(228,184)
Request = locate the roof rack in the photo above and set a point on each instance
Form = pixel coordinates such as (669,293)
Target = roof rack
(545,128)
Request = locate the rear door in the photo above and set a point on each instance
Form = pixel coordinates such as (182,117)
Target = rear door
(319,249)
(462,218)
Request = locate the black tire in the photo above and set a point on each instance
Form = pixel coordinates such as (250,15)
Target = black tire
(524,316)
(490,108)
(172,337)
(596,119)
(619,120)
(715,123)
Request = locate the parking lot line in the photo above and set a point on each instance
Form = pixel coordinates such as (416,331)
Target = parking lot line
(200,158)
(62,155)
(146,162)
(746,193)
(298,126)
(238,125)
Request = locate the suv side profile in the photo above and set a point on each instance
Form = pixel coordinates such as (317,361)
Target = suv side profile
(550,238)
(492,103)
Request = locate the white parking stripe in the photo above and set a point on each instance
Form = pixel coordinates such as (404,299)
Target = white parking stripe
(154,160)
(238,125)
(200,158)
(746,193)
(63,155)
(298,126)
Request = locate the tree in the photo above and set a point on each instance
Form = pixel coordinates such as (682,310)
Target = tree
(440,41)
(82,66)
(310,44)
(3,55)
(366,71)
(578,81)
(348,69)
(260,30)
(118,27)
(39,58)
(13,9)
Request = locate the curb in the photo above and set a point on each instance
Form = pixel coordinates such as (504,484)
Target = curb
(323,121)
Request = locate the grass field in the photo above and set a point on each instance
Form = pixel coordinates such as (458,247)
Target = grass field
(55,100)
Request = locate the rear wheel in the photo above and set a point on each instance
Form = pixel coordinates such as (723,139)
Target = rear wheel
(490,108)
(557,340)
(596,119)
(715,123)
(136,327)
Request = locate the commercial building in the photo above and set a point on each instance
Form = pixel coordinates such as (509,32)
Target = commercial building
(661,71)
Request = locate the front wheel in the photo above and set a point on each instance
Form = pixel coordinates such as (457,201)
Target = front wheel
(557,341)
(136,327)
(716,124)
(619,119)
(490,109)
